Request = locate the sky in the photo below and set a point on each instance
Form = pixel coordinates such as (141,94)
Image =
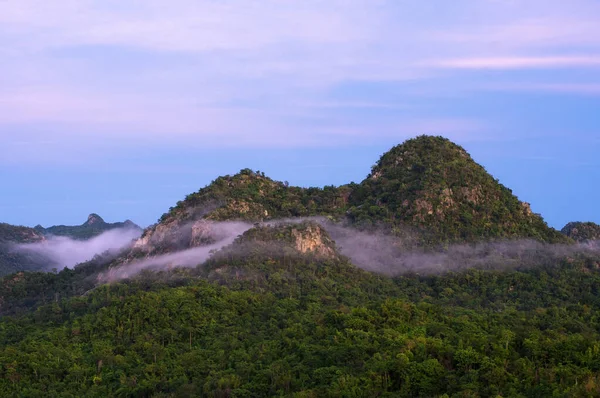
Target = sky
(122,108)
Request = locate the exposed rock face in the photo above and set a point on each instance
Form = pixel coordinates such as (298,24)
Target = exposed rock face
(311,238)
(527,209)
(305,238)
(152,237)
(201,233)
(165,237)
(176,235)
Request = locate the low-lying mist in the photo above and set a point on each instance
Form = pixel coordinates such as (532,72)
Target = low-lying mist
(223,233)
(376,252)
(63,252)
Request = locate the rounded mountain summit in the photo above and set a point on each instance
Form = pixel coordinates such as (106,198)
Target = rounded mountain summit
(435,186)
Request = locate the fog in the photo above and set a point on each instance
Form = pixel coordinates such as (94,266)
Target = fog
(374,251)
(224,233)
(63,252)
(381,253)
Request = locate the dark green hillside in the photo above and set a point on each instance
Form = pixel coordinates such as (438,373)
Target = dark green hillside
(582,231)
(314,328)
(25,291)
(94,226)
(251,196)
(434,185)
(11,261)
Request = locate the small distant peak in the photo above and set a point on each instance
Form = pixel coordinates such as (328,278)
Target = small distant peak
(249,173)
(94,219)
(582,231)
(131,224)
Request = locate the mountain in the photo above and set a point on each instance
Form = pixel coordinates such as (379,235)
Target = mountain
(94,226)
(12,261)
(434,186)
(249,295)
(582,231)
(427,190)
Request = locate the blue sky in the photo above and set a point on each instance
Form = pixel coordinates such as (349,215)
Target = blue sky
(123,108)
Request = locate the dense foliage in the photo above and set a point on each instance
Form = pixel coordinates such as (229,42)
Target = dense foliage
(582,231)
(252,196)
(25,291)
(434,185)
(310,328)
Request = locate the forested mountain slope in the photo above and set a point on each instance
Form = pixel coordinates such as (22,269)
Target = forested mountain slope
(314,328)
(273,308)
(434,185)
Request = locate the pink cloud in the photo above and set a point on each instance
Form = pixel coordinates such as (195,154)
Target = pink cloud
(517,62)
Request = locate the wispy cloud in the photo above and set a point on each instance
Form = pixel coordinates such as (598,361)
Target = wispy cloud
(65,252)
(84,73)
(520,62)
(558,88)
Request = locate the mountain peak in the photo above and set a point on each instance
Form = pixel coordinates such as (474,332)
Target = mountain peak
(434,185)
(419,154)
(94,219)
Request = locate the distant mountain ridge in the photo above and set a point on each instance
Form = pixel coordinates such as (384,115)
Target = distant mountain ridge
(93,226)
(12,260)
